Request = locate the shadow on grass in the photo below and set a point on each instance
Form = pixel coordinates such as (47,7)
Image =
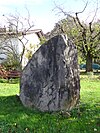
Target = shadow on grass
(11,106)
(10,81)
(14,117)
(83,72)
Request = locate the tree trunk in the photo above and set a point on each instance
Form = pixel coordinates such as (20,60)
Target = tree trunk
(89,62)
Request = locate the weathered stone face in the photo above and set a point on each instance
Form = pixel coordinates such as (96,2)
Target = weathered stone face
(50,81)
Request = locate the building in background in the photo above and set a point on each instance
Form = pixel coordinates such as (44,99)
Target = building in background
(30,39)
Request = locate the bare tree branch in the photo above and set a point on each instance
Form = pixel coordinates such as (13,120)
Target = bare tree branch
(95,12)
(17,22)
(90,24)
(96,35)
(83,8)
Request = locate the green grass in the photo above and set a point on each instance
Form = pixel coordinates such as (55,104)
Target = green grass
(14,118)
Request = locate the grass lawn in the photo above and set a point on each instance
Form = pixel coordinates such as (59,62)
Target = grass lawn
(14,118)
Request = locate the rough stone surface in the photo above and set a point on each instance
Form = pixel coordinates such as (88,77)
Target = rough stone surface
(50,81)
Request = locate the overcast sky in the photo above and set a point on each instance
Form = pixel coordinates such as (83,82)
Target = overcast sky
(42,13)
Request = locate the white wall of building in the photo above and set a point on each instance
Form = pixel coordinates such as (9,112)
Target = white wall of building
(27,39)
(32,40)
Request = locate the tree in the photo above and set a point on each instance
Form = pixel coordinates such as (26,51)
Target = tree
(86,36)
(29,53)
(12,59)
(17,28)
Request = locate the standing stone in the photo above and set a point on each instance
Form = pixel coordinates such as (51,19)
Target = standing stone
(50,81)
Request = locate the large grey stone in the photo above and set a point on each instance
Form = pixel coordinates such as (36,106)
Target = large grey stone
(50,81)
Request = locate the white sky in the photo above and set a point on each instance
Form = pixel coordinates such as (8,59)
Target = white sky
(41,11)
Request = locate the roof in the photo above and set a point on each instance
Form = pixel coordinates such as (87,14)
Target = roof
(20,33)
